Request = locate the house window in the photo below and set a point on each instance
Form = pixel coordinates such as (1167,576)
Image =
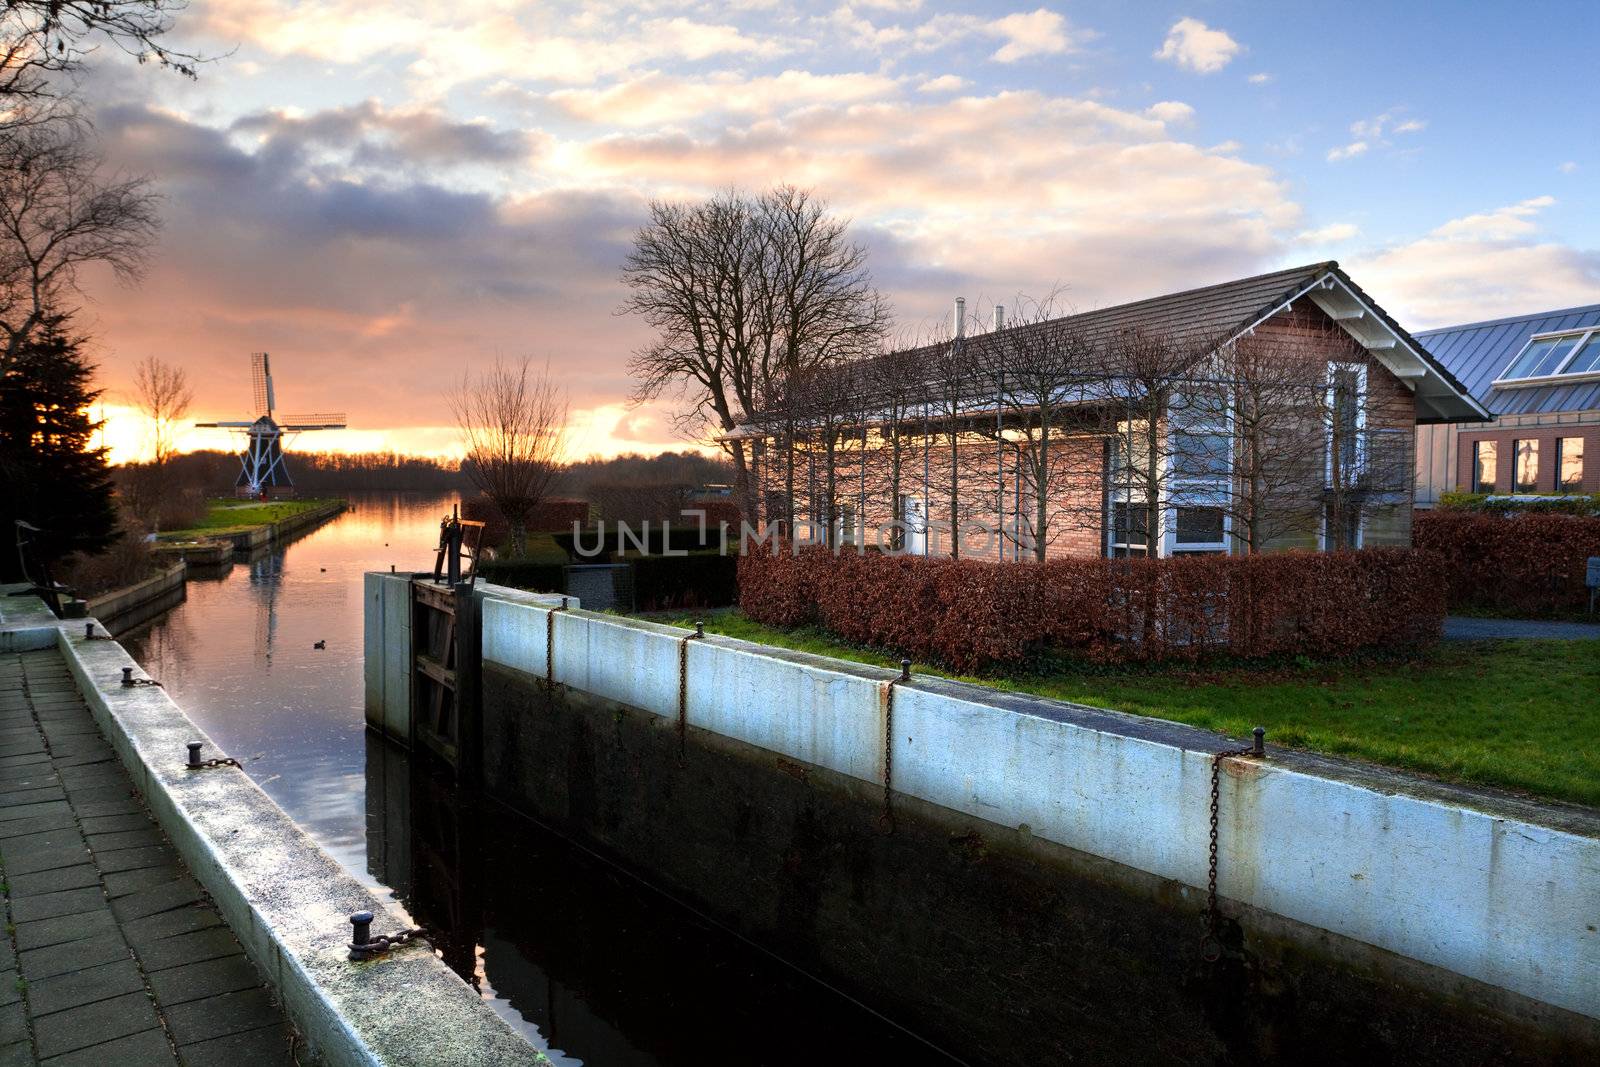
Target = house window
(1200,530)
(1554,356)
(1347,420)
(1525,476)
(1587,358)
(1484,455)
(1569,464)
(1130,529)
(1542,356)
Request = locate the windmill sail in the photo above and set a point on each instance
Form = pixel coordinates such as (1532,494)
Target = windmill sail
(261,380)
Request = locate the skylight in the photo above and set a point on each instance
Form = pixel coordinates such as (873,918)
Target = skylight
(1559,355)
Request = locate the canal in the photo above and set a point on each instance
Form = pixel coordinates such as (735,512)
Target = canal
(590,964)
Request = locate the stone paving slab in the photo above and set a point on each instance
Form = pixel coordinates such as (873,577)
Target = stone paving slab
(115,955)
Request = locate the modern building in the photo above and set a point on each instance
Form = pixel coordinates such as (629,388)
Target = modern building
(911,448)
(1539,376)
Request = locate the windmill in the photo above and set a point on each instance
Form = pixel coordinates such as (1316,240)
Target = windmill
(263,471)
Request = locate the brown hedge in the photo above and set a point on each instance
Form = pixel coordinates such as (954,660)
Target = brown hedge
(973,615)
(1523,564)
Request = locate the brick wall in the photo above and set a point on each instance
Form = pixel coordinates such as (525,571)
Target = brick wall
(1305,332)
(1546,437)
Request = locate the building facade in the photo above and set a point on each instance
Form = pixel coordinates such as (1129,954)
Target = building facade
(1268,413)
(1539,376)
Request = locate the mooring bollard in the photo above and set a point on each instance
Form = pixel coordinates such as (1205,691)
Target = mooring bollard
(361,935)
(699,628)
(88,631)
(905,670)
(194,754)
(1260,734)
(127,676)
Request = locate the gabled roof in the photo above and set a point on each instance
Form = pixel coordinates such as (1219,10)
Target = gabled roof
(1216,314)
(1480,352)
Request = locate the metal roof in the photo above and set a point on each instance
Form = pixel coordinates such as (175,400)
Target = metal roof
(1479,352)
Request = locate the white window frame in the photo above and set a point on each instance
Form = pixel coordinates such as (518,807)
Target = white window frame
(1361,419)
(1585,336)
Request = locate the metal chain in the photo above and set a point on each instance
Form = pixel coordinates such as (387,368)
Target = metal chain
(1211,941)
(378,944)
(206,765)
(886,817)
(550,646)
(134,683)
(683,684)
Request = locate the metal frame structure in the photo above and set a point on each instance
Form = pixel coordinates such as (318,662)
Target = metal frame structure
(262,468)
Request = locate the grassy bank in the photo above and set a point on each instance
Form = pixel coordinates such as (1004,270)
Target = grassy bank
(1521,715)
(230,516)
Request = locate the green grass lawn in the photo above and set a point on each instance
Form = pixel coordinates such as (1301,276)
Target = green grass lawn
(1521,715)
(230,516)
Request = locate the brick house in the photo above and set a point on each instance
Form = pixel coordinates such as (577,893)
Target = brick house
(899,448)
(1539,376)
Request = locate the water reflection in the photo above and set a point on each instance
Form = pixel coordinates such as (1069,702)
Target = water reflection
(590,964)
(239,656)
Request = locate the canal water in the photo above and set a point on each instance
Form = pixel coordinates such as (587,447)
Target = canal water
(592,965)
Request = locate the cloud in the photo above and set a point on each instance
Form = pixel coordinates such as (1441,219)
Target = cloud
(1481,266)
(1330,234)
(944,83)
(1010,191)
(449,45)
(1171,112)
(1037,33)
(1376,132)
(1193,45)
(1261,78)
(1349,151)
(658,98)
(1569,167)
(371,291)
(371,135)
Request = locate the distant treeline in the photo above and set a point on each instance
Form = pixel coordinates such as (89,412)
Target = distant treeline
(316,473)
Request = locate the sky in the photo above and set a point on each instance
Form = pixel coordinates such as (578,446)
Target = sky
(385,195)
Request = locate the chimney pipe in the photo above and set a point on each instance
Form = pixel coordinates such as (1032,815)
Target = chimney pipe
(961,317)
(999,317)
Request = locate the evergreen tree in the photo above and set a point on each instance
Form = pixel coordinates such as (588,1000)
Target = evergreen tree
(51,474)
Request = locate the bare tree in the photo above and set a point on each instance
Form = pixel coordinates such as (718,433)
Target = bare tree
(513,423)
(39,38)
(1264,389)
(741,292)
(1042,363)
(1145,387)
(163,396)
(58,213)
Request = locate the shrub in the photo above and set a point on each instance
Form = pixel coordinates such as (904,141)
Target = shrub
(698,580)
(551,516)
(1567,504)
(1526,564)
(535,575)
(973,615)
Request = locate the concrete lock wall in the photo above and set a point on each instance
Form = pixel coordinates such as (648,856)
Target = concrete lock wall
(286,900)
(1500,891)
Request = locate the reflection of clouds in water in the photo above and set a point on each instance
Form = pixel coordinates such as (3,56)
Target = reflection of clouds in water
(238,657)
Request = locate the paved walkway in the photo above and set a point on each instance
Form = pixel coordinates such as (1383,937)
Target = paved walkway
(115,957)
(1463,628)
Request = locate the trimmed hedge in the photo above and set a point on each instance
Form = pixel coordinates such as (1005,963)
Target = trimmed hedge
(698,580)
(1568,504)
(525,574)
(974,615)
(1525,564)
